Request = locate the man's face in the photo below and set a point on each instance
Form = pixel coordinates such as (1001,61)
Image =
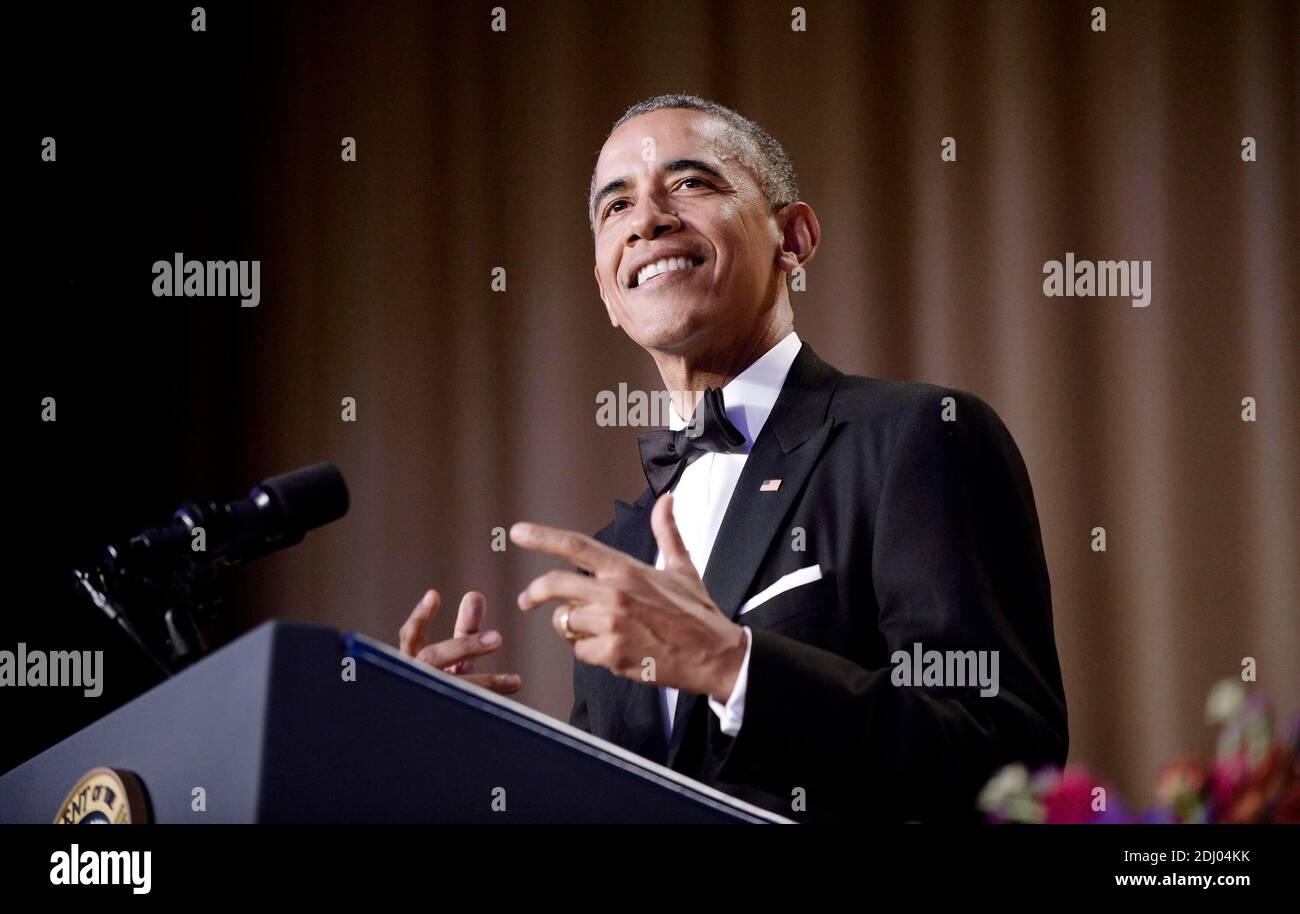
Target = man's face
(684,195)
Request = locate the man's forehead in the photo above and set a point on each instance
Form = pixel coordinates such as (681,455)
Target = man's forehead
(662,136)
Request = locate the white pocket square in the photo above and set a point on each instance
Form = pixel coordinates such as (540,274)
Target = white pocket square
(782,584)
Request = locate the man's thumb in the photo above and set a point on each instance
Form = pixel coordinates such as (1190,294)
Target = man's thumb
(671,547)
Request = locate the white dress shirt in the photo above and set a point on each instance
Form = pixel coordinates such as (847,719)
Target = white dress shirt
(704,490)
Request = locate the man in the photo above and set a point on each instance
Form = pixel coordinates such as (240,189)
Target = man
(753,619)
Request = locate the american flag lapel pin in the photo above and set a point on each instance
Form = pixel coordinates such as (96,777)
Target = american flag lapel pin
(770,485)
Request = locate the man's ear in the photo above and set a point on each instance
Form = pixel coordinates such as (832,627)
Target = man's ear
(603,297)
(800,235)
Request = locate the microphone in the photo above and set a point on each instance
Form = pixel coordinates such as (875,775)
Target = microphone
(276,514)
(159,587)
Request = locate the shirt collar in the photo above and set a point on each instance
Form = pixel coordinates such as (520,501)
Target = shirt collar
(750,395)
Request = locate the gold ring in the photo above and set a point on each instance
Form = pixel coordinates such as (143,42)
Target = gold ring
(569,634)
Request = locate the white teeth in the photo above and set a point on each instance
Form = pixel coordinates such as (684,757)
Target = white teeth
(663,265)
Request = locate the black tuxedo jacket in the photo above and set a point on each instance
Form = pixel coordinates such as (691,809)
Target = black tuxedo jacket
(925,531)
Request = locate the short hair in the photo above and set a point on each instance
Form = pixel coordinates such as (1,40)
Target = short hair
(753,146)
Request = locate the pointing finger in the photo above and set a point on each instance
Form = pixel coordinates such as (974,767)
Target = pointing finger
(578,548)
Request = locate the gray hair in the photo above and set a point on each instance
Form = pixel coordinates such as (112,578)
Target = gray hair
(753,146)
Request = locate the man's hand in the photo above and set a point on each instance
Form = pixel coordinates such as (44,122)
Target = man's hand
(630,613)
(456,655)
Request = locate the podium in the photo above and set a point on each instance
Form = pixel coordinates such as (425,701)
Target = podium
(300,723)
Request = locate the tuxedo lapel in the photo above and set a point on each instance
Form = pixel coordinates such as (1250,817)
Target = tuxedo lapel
(632,531)
(787,450)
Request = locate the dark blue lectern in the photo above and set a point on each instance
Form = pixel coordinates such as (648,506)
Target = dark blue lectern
(269,729)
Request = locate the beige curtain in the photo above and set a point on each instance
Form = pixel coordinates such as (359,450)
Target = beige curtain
(476,408)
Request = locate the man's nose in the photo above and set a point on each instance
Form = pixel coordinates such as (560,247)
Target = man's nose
(651,220)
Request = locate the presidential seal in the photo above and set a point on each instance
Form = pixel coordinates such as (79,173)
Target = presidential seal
(105,796)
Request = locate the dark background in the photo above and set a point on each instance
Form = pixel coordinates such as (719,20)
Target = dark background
(157,146)
(477,408)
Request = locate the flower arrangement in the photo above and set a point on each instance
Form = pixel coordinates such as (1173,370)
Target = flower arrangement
(1253,778)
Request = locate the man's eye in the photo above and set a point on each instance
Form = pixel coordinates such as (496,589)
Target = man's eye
(610,210)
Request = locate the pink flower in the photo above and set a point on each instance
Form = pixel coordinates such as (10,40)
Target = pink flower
(1071,800)
(1226,779)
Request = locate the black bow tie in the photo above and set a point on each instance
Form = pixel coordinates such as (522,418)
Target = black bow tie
(665,453)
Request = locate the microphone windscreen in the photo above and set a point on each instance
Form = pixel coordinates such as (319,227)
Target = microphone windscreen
(309,497)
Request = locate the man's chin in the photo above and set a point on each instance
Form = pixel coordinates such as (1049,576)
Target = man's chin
(669,339)
(671,330)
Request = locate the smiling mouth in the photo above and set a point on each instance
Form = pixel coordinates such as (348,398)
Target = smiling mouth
(664,268)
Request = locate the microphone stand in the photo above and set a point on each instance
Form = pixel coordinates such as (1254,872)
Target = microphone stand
(163,604)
